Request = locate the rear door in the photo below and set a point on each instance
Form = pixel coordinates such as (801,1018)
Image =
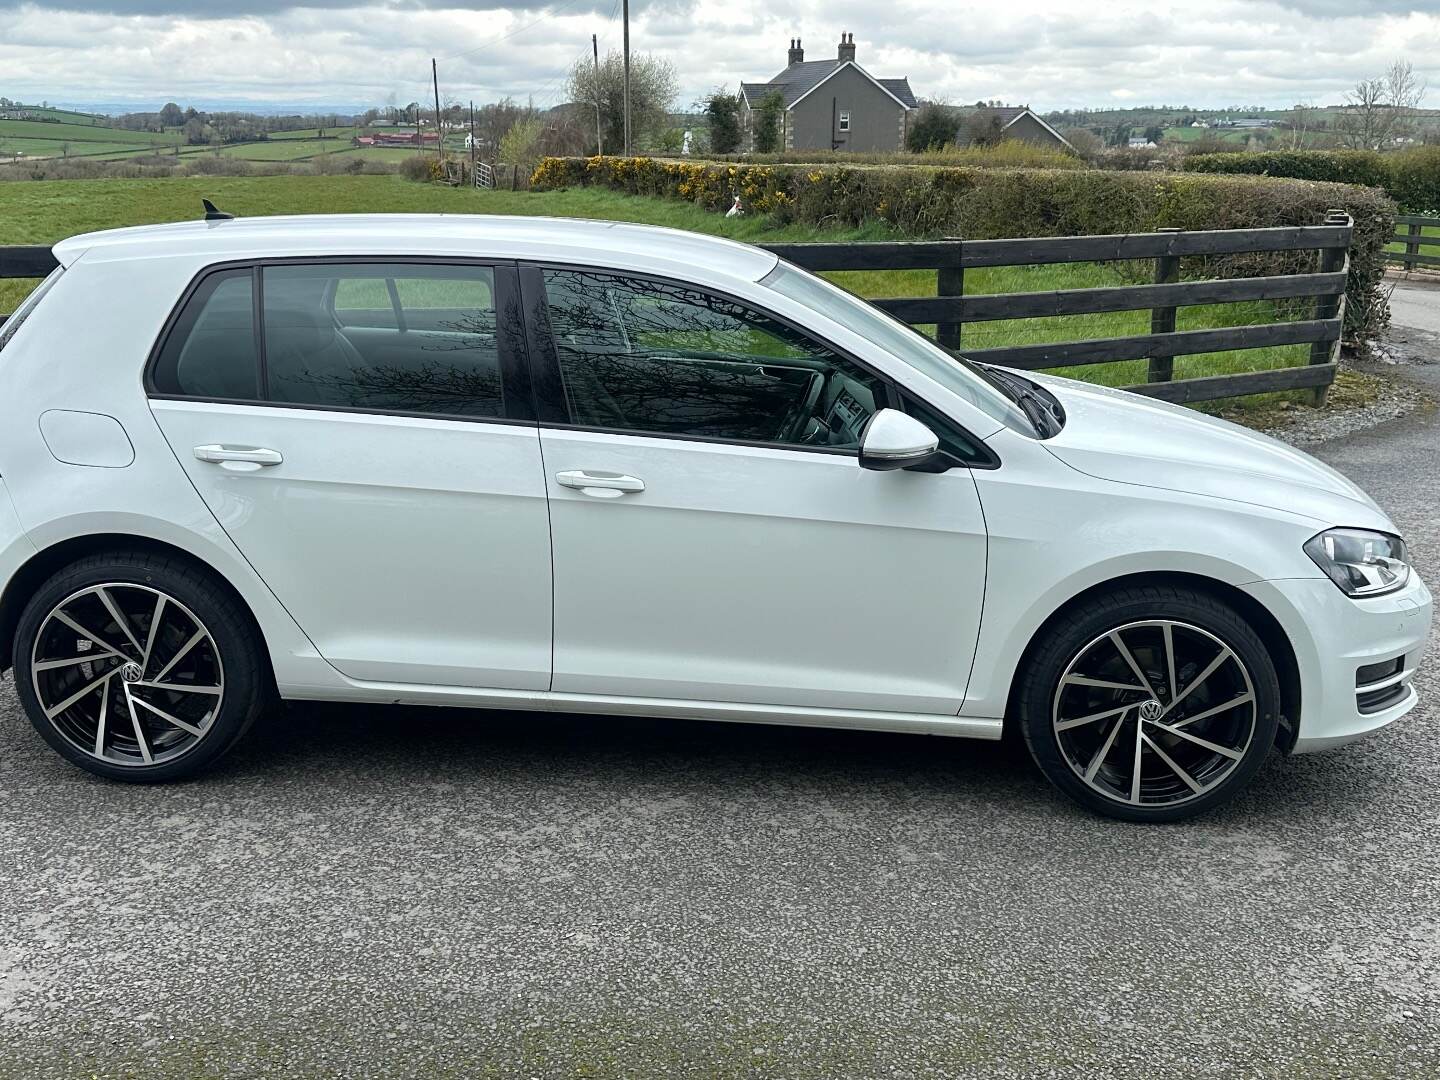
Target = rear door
(364,431)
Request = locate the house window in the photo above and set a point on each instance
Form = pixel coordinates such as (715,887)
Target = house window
(845,121)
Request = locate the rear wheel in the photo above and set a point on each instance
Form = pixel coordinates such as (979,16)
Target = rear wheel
(1153,704)
(136,667)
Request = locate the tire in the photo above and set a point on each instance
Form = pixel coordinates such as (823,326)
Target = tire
(160,698)
(1086,731)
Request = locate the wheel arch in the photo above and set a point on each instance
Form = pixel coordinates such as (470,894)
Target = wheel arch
(49,560)
(1277,642)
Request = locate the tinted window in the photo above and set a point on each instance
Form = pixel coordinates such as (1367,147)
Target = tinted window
(383,336)
(210,352)
(649,356)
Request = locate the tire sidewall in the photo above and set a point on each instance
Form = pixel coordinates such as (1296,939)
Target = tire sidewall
(1076,633)
(233,638)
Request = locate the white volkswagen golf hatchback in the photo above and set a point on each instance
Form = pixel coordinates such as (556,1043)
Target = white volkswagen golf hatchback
(581,466)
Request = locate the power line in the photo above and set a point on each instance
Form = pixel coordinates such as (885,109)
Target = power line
(552,13)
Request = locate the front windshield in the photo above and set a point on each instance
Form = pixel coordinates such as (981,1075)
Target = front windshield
(956,374)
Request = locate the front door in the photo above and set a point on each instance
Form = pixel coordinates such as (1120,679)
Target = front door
(367,441)
(714,535)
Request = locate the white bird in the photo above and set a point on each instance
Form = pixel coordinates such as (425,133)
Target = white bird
(736,210)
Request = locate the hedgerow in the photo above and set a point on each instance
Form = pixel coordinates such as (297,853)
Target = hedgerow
(1411,177)
(990,203)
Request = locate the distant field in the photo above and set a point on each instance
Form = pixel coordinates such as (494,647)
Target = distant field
(344,133)
(65,116)
(34,129)
(1189,134)
(39,213)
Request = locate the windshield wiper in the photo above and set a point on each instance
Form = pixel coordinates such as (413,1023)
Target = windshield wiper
(1041,408)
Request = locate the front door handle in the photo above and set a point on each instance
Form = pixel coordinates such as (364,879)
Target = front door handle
(602,485)
(251,455)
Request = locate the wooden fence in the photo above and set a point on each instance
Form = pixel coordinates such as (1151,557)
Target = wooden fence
(1410,231)
(951,309)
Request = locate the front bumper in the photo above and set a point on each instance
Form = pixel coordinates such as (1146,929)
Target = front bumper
(1334,637)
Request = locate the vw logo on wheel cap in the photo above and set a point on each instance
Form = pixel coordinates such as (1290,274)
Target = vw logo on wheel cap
(131,672)
(1152,710)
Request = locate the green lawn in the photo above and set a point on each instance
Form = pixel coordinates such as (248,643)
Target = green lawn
(43,212)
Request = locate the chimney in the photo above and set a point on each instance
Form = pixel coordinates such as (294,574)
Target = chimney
(797,53)
(847,48)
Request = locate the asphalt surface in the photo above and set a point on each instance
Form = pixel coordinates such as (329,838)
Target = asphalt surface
(385,892)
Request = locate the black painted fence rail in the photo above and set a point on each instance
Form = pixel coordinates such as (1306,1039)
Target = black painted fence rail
(1410,231)
(951,309)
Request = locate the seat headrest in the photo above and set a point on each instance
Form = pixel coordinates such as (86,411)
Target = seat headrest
(300,328)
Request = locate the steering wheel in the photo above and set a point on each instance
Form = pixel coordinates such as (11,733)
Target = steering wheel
(798,432)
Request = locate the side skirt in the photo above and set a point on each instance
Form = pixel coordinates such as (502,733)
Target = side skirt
(735,712)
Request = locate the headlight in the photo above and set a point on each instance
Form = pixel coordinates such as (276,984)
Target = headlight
(1361,562)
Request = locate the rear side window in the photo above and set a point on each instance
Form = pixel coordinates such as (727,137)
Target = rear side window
(11,326)
(211,350)
(374,336)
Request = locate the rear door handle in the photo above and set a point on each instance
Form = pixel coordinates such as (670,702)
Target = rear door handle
(602,485)
(252,455)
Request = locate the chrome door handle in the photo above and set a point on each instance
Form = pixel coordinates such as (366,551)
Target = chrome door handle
(253,455)
(603,485)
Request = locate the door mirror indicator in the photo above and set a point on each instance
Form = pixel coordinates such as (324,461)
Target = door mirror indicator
(895,440)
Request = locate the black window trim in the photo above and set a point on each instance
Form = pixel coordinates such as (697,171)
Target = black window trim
(549,387)
(515,367)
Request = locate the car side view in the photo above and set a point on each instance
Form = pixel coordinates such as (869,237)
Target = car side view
(580,466)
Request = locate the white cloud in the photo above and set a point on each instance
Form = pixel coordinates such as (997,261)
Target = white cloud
(1046,53)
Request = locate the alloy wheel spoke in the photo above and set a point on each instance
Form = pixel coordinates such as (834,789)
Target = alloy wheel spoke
(1135,775)
(150,637)
(1129,657)
(119,617)
(1210,669)
(1224,751)
(100,725)
(1103,684)
(88,688)
(195,639)
(167,717)
(1189,780)
(1168,632)
(1100,755)
(60,616)
(1233,703)
(143,742)
(1080,721)
(51,665)
(181,688)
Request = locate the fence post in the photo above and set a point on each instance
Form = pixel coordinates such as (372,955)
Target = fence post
(950,281)
(1162,319)
(1412,245)
(1329,307)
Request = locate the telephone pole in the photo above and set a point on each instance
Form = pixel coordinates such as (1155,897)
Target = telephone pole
(626,4)
(439,128)
(599,134)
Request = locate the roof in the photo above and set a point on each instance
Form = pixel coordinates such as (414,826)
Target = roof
(1007,115)
(560,239)
(797,80)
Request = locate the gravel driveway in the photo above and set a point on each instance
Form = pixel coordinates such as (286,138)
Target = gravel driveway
(367,892)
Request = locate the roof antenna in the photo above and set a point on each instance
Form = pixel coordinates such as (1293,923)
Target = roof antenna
(212,214)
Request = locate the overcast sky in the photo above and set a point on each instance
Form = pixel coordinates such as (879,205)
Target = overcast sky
(1046,53)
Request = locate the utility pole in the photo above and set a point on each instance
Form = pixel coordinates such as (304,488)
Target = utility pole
(439,128)
(599,134)
(472,143)
(626,4)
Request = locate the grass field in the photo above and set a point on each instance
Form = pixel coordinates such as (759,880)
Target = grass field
(44,212)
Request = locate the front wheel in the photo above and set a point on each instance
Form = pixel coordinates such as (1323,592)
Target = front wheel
(137,667)
(1152,704)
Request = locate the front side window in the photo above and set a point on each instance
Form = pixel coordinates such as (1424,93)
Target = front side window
(647,356)
(396,337)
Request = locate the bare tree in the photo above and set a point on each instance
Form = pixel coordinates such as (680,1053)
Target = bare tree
(1380,112)
(1300,124)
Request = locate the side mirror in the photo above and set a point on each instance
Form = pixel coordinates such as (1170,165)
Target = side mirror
(895,440)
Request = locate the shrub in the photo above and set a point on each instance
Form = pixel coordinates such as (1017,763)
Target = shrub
(1415,179)
(422,167)
(993,203)
(1411,177)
